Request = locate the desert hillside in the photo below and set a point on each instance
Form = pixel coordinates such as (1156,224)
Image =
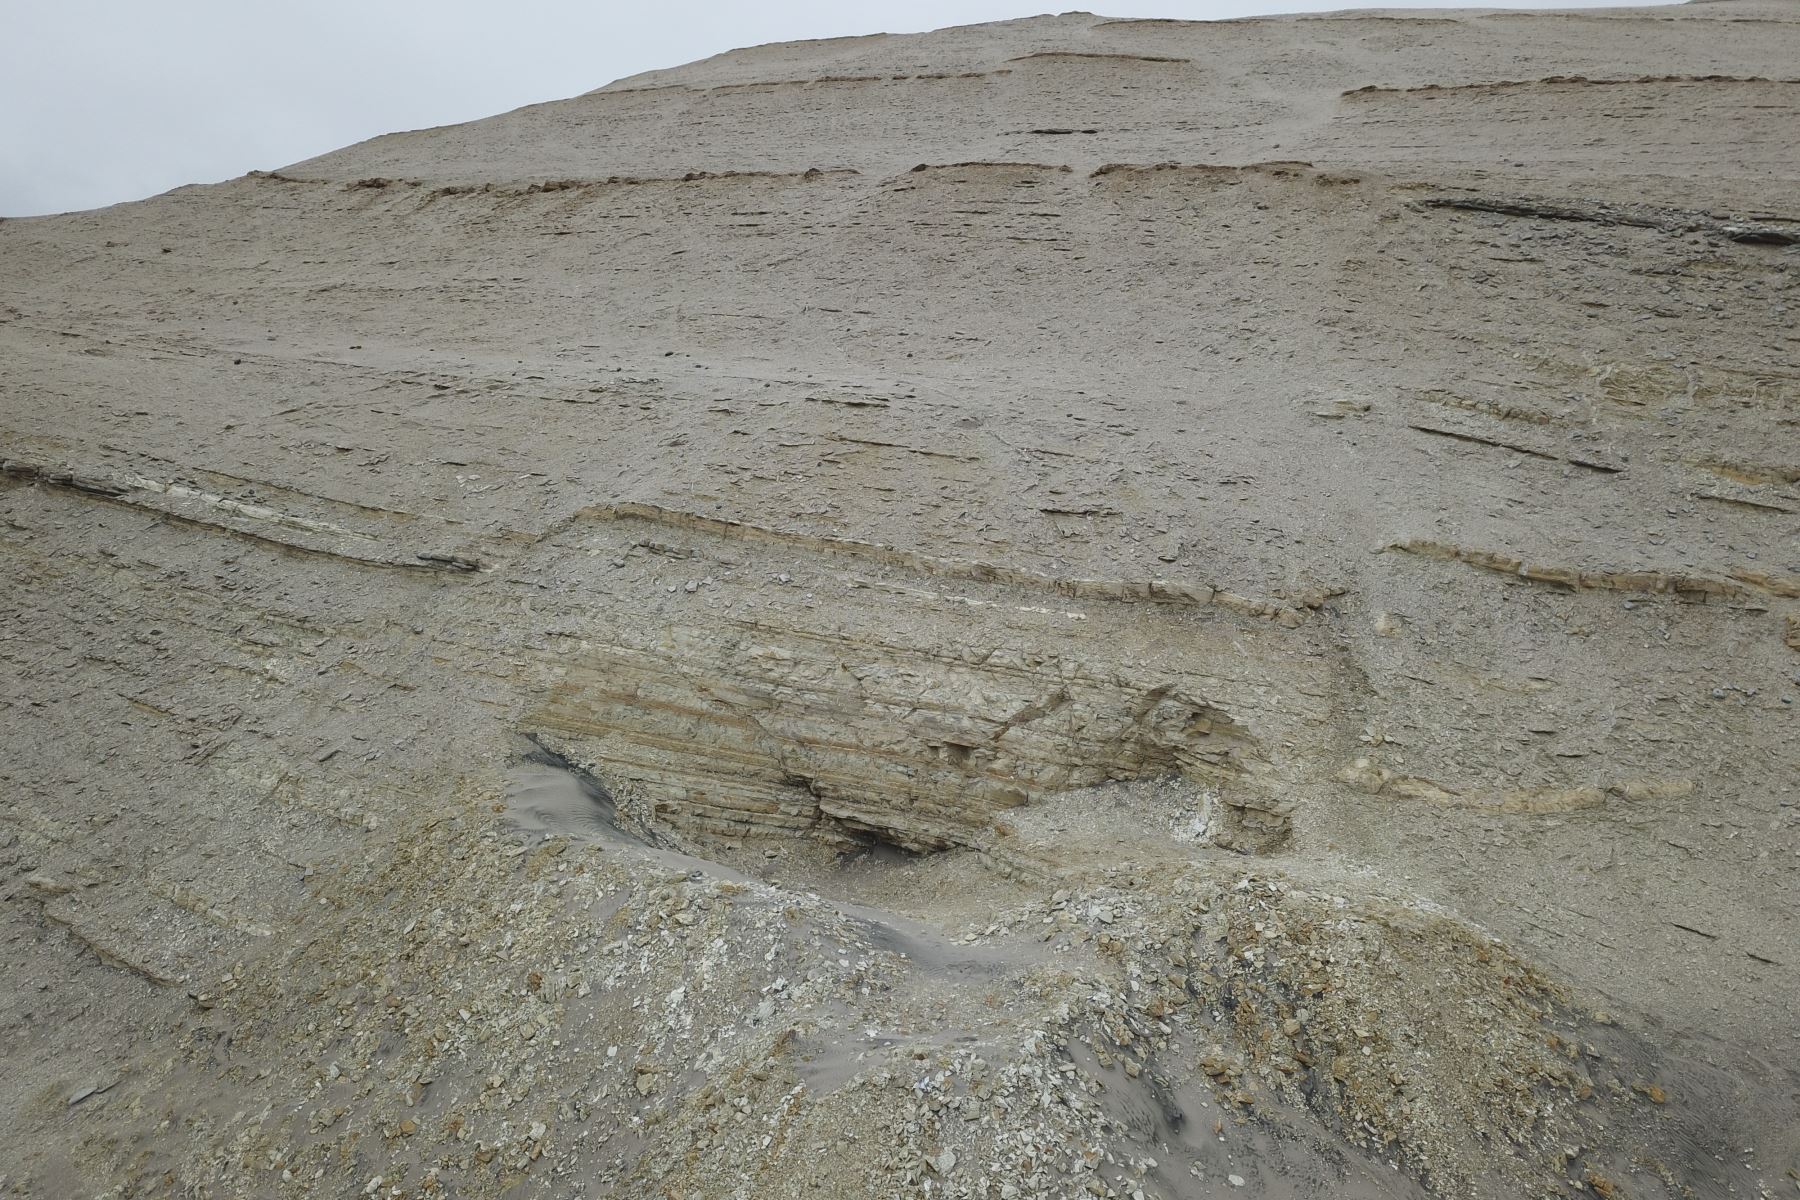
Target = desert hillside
(1074,607)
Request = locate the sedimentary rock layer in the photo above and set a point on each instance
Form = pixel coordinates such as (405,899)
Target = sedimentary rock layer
(1074,606)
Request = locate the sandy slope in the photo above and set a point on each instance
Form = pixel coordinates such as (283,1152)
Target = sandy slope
(1150,603)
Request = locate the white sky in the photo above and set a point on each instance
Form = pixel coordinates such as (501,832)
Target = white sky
(110,100)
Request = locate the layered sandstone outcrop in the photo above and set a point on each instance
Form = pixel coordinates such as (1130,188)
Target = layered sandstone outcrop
(1116,555)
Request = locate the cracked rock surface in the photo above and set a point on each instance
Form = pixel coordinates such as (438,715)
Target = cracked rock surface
(1075,607)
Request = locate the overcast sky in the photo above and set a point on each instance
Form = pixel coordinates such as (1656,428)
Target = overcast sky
(109,100)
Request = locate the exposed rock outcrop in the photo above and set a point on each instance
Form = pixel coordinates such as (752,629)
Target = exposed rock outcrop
(1073,607)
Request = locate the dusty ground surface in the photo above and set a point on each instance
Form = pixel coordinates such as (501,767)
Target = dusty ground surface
(1075,607)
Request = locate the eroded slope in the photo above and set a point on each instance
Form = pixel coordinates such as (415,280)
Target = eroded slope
(1294,519)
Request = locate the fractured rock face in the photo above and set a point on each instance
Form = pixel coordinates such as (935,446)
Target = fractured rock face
(884,723)
(907,744)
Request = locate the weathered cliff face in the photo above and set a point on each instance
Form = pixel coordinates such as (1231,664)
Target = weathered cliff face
(1319,489)
(878,723)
